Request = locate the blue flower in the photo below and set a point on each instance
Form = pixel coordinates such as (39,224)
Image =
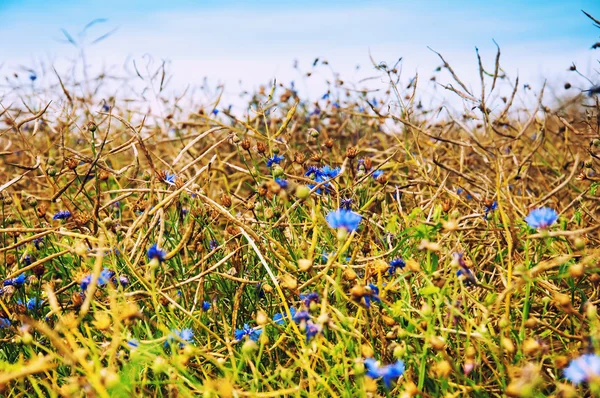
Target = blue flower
(186,335)
(16,282)
(106,107)
(155,252)
(460,191)
(4,323)
(213,244)
(343,218)
(27,260)
(541,218)
(38,242)
(325,96)
(395,264)
(373,294)
(466,276)
(491,207)
(464,273)
(388,373)
(62,215)
(170,178)
(34,303)
(252,333)
(583,368)
(215,112)
(85,281)
(281,317)
(301,316)
(123,280)
(309,298)
(346,204)
(276,159)
(205,306)
(312,170)
(377,173)
(328,172)
(282,183)
(106,276)
(312,329)
(33,77)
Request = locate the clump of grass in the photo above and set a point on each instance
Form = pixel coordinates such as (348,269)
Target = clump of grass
(337,248)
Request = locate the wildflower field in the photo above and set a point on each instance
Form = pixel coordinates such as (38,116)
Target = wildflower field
(360,244)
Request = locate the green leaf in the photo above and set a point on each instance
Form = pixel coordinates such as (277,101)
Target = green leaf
(429,290)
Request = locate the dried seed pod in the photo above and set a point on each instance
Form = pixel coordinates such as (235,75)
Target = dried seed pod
(261,148)
(351,152)
(71,163)
(226,200)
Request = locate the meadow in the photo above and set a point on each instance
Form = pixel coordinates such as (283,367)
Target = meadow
(362,244)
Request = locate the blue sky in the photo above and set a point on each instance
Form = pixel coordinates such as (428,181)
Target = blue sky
(254,42)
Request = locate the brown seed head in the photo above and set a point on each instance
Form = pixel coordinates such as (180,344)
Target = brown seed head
(351,152)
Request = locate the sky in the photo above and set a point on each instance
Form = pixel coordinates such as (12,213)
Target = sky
(243,44)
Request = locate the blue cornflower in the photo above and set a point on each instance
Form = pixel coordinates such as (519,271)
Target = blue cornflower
(325,96)
(583,368)
(346,204)
(466,276)
(491,207)
(373,294)
(252,333)
(106,276)
(281,317)
(62,215)
(170,178)
(4,323)
(106,107)
(33,77)
(541,218)
(155,252)
(27,260)
(16,282)
(85,281)
(312,329)
(326,172)
(34,303)
(205,305)
(301,316)
(276,159)
(38,242)
(213,244)
(282,183)
(395,264)
(377,173)
(461,191)
(343,218)
(123,280)
(464,273)
(388,373)
(215,112)
(309,298)
(312,170)
(186,335)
